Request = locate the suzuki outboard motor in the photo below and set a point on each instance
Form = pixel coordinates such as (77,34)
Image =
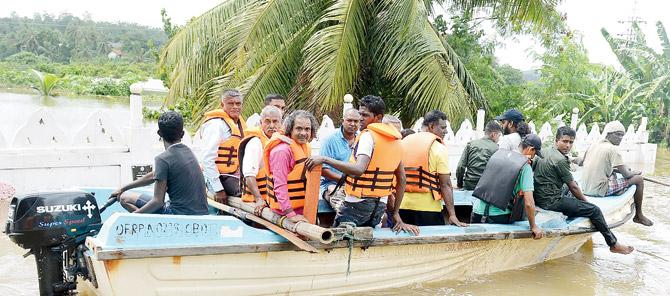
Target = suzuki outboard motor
(54,226)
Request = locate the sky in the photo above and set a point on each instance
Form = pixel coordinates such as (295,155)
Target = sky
(584,16)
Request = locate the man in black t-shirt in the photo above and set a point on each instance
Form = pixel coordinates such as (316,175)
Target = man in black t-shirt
(176,173)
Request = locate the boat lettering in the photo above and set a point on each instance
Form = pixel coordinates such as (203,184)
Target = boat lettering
(162,228)
(49,224)
(58,208)
(74,221)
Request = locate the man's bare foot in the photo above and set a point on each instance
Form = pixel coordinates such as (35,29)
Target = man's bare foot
(642,220)
(621,249)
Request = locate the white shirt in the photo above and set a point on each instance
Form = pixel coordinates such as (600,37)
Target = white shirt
(213,133)
(510,142)
(253,160)
(366,145)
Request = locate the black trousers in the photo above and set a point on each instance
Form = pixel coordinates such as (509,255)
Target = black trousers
(499,219)
(231,185)
(421,218)
(573,207)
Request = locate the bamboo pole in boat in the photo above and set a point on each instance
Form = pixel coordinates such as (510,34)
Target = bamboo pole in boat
(290,236)
(312,194)
(656,181)
(311,231)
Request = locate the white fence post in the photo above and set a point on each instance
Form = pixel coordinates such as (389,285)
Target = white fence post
(574,119)
(480,123)
(136,105)
(348,100)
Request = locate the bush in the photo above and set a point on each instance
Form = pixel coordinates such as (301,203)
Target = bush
(111,87)
(92,77)
(27,58)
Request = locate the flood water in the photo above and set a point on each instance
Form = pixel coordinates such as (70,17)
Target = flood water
(593,270)
(69,113)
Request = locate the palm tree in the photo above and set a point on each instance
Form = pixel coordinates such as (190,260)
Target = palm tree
(651,69)
(47,82)
(316,51)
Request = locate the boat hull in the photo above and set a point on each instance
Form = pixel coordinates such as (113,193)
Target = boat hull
(300,273)
(124,265)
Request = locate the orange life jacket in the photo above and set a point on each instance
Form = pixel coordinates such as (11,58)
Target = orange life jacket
(417,169)
(261,176)
(297,180)
(227,161)
(377,180)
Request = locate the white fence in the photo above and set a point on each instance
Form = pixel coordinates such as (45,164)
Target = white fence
(43,156)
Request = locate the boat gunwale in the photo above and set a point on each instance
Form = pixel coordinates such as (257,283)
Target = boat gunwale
(114,254)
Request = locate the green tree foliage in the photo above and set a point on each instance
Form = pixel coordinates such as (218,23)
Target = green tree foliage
(566,78)
(315,51)
(66,38)
(502,85)
(46,82)
(650,69)
(92,77)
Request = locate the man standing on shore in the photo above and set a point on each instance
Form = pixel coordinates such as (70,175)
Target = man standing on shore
(221,133)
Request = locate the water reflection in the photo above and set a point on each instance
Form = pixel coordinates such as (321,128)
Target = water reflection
(69,113)
(46,101)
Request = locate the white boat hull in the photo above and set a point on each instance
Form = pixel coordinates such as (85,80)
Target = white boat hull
(387,263)
(300,273)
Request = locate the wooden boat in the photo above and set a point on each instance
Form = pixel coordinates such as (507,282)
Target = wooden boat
(145,254)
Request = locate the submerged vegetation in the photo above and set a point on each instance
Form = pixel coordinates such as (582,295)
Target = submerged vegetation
(46,82)
(404,51)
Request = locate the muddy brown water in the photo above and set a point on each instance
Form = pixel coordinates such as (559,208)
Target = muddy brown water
(593,270)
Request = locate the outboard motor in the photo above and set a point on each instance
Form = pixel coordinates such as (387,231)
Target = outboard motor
(54,226)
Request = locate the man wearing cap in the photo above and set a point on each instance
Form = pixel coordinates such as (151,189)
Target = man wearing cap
(509,121)
(602,160)
(505,189)
(552,175)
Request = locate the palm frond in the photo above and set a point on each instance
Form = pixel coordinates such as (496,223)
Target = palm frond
(247,39)
(417,62)
(518,11)
(663,36)
(627,61)
(333,53)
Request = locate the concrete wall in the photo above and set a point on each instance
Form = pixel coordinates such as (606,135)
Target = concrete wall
(42,156)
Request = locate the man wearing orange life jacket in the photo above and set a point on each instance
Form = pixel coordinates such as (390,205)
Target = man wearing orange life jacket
(254,175)
(374,164)
(428,177)
(221,133)
(284,158)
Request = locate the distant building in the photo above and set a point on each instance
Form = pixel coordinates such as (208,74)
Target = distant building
(115,54)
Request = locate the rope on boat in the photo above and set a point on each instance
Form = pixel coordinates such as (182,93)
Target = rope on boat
(349,234)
